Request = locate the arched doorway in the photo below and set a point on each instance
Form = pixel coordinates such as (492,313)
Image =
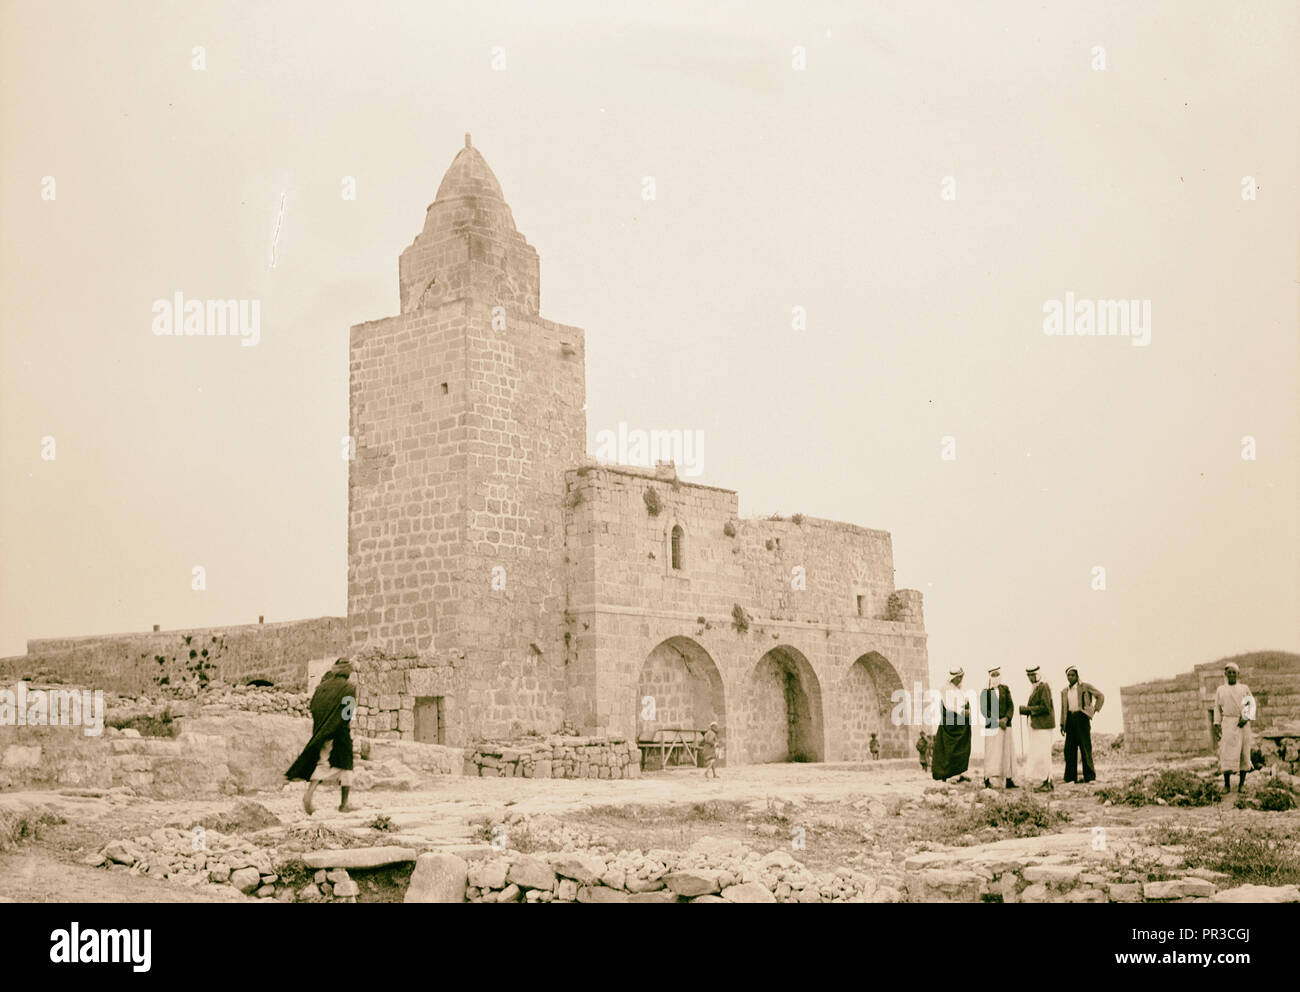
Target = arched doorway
(679,688)
(867,705)
(783,709)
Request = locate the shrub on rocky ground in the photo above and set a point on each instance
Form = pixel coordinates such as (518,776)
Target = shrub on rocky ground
(1023,816)
(1255,856)
(16,827)
(1167,788)
(1271,797)
(246,817)
(149,725)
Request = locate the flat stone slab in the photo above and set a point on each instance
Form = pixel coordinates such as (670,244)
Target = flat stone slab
(1178,888)
(747,892)
(359,857)
(1053,874)
(582,868)
(693,883)
(1258,893)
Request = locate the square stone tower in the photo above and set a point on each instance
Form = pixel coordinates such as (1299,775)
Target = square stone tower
(466,410)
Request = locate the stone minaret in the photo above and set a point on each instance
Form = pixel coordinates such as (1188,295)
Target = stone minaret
(466,408)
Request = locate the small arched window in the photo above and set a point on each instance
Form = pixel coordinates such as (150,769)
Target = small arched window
(678,536)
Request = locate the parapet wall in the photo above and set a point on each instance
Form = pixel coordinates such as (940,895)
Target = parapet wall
(134,663)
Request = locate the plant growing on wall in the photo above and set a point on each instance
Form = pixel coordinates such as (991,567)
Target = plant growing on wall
(739,618)
(894,607)
(652,502)
(729,529)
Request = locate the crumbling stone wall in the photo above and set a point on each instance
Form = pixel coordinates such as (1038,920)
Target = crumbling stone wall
(131,664)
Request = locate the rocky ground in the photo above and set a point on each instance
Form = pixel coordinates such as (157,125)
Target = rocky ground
(882,832)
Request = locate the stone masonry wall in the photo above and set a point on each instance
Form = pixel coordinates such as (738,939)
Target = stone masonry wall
(798,586)
(526,426)
(556,757)
(133,663)
(1173,715)
(406,487)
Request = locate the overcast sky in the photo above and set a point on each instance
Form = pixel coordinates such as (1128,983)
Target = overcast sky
(774,188)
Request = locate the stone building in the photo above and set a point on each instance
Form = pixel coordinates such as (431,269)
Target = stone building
(500,582)
(1174,715)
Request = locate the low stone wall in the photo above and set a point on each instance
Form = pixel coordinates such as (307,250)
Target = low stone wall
(212,756)
(556,757)
(1281,747)
(1165,716)
(712,870)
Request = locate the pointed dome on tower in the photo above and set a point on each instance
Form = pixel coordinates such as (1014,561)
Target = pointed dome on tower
(469,175)
(469,246)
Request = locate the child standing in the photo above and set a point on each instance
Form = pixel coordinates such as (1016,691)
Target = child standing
(709,750)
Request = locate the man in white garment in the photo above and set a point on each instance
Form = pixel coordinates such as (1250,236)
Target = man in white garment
(1042,721)
(999,745)
(1234,708)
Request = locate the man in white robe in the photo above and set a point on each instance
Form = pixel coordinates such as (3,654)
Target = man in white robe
(1234,708)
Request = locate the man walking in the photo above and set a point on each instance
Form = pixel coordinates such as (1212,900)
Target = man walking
(951,755)
(1079,703)
(328,755)
(999,747)
(1038,750)
(1234,708)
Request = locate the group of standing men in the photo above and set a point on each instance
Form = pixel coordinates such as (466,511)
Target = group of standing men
(1080,702)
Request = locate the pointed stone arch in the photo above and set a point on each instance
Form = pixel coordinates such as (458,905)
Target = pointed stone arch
(866,707)
(783,709)
(684,687)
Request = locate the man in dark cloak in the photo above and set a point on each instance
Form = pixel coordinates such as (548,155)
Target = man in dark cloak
(328,755)
(951,754)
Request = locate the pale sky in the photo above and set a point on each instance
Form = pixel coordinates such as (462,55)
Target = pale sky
(775,188)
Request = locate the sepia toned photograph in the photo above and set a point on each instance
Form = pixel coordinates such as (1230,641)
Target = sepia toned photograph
(574,452)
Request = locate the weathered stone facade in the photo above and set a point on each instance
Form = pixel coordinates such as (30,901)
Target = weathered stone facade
(1174,715)
(488,557)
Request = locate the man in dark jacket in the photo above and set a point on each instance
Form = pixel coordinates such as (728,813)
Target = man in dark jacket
(999,747)
(328,755)
(1080,702)
(1038,749)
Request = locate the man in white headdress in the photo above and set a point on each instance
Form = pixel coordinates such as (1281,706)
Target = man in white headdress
(1042,721)
(952,736)
(1234,708)
(999,745)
